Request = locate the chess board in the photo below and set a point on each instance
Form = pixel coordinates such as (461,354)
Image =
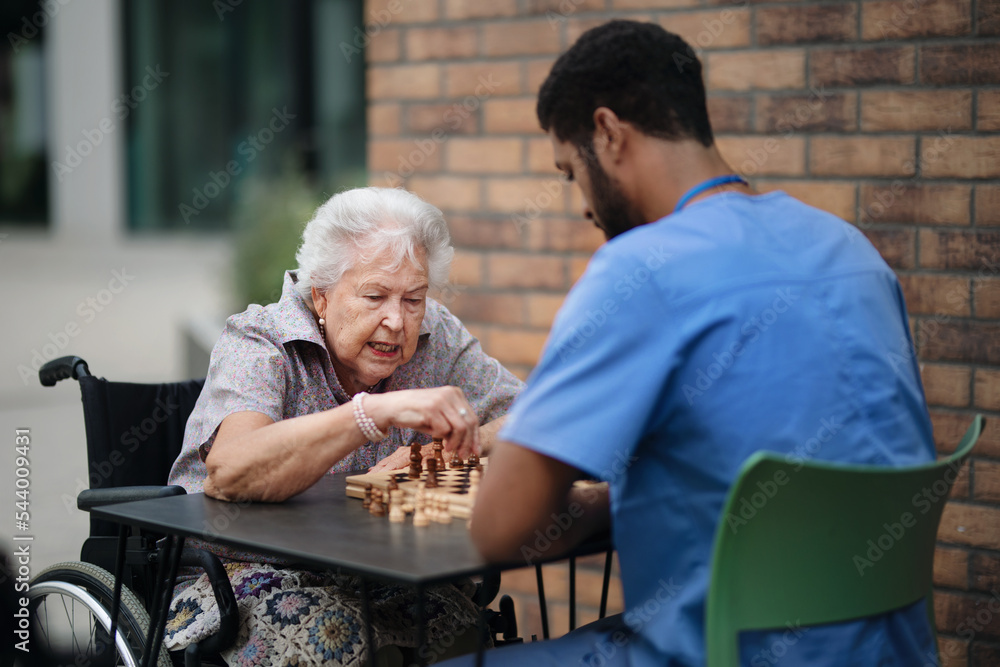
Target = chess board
(453,485)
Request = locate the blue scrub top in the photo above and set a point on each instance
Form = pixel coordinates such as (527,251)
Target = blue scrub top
(741,323)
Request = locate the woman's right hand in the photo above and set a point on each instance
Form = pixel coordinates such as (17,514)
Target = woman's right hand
(441,412)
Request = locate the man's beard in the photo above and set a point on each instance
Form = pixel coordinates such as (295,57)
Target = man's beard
(614,213)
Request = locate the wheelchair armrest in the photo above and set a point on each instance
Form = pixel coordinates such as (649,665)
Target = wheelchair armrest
(91,498)
(62,368)
(229,615)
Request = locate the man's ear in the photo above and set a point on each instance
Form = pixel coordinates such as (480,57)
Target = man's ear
(609,134)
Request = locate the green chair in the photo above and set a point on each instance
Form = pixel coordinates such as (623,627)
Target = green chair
(818,542)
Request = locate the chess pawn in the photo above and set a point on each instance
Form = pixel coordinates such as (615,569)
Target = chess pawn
(439,453)
(416,461)
(456,461)
(420,518)
(473,460)
(376,507)
(474,478)
(444,514)
(432,468)
(396,513)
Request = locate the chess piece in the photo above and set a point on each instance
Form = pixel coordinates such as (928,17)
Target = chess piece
(474,460)
(367,502)
(393,485)
(420,519)
(474,478)
(396,513)
(456,461)
(444,513)
(439,453)
(376,508)
(432,468)
(416,461)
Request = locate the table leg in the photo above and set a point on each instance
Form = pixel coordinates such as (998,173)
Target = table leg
(366,609)
(541,602)
(170,556)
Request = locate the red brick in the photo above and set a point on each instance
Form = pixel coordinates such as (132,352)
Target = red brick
(451,118)
(886,111)
(383,120)
(729,113)
(959,250)
(923,204)
(384,47)
(523,270)
(862,156)
(972,525)
(540,157)
(577,265)
(986,295)
(510,116)
(946,385)
(448,193)
(403,156)
(404,82)
(949,427)
(833,197)
(479,81)
(537,72)
(985,571)
(988,205)
(437,43)
(897,246)
(959,340)
(477,9)
(542,309)
(951,567)
(960,64)
(487,156)
(962,487)
(862,66)
(517,347)
(988,22)
(809,23)
(988,110)
(960,157)
(753,155)
(711,29)
(928,294)
(652,4)
(526,197)
(987,485)
(807,113)
(519,38)
(506,309)
(987,390)
(928,18)
(953,652)
(565,235)
(480,232)
(955,612)
(562,8)
(383,12)
(467,269)
(749,70)
(985,654)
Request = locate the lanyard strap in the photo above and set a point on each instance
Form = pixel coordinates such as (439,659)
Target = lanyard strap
(708,185)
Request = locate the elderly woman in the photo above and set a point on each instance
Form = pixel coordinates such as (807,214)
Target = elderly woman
(353,364)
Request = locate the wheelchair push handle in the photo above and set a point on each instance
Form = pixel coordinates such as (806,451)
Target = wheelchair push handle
(61,369)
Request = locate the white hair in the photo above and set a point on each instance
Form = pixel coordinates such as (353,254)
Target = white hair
(357,225)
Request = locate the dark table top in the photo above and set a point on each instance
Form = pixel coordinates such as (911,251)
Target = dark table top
(323,528)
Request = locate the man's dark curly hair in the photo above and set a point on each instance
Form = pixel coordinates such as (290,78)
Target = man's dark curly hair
(649,77)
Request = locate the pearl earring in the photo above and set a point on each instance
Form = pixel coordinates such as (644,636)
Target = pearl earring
(322,327)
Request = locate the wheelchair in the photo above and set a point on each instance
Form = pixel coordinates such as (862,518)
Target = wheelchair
(134,433)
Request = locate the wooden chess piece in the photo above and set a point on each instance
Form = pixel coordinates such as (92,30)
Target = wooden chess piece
(396,513)
(444,513)
(416,461)
(456,461)
(420,519)
(393,485)
(439,453)
(473,460)
(377,509)
(367,502)
(432,468)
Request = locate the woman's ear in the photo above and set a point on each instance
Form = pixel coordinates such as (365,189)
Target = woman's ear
(319,302)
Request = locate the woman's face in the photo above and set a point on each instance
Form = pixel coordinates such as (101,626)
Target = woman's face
(373,318)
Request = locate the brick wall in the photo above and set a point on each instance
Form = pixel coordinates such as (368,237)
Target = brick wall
(886,113)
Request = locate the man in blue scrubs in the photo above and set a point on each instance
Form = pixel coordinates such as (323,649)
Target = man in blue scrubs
(715,322)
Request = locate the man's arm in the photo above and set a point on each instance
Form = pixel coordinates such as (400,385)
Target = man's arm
(525,491)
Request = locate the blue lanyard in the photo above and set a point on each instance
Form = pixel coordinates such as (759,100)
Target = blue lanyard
(708,185)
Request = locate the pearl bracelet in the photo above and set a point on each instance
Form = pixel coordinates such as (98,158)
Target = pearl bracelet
(367,425)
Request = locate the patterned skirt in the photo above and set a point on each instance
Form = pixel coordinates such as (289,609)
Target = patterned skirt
(296,617)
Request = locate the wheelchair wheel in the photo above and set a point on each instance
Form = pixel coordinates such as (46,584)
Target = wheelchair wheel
(71,612)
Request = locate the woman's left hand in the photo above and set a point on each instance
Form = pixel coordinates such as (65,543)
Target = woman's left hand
(401,458)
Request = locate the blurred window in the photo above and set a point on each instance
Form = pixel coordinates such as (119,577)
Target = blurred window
(224,94)
(24,175)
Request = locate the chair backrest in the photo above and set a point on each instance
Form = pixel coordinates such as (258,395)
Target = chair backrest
(134,432)
(819,542)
